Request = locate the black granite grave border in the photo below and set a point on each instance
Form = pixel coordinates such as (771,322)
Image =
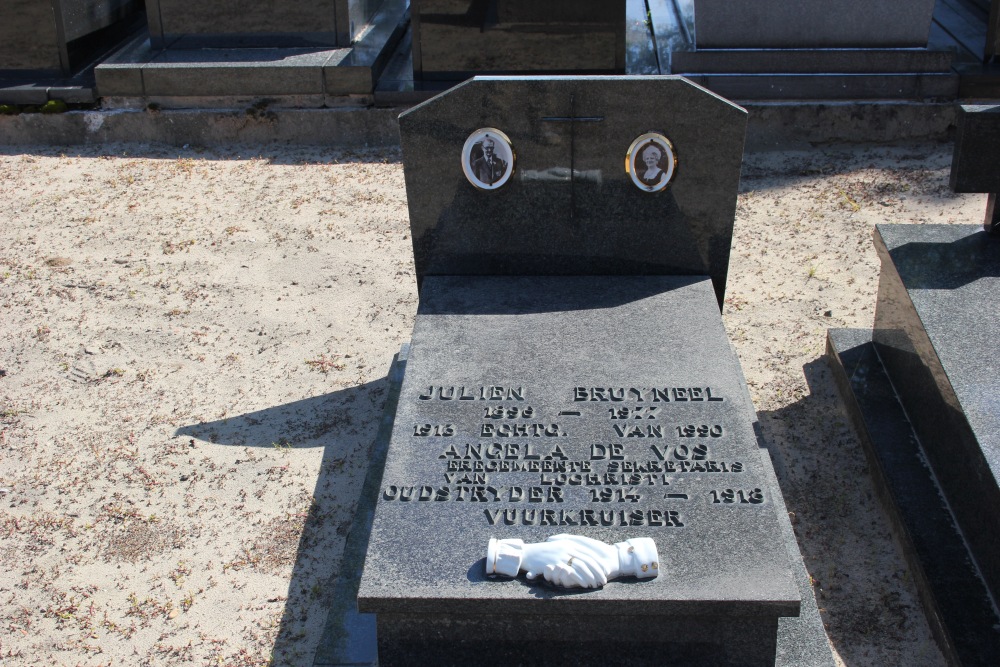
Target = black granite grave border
(955,598)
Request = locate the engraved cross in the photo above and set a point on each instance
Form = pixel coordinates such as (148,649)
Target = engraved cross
(572,119)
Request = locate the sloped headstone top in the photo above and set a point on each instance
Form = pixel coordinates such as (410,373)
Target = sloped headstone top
(569,206)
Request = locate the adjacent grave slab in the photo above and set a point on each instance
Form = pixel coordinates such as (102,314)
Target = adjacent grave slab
(923,394)
(398,86)
(307,76)
(607,407)
(252,24)
(936,328)
(977,143)
(570,207)
(960,609)
(781,72)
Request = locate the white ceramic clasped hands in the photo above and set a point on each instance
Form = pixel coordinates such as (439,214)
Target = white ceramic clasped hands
(573,561)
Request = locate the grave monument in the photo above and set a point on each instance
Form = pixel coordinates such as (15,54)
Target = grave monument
(808,50)
(453,40)
(571,408)
(456,40)
(921,389)
(43,43)
(233,52)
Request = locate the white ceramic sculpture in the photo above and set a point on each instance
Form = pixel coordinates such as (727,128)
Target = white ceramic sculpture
(573,561)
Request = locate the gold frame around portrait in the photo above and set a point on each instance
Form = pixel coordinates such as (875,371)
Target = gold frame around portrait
(669,161)
(476,138)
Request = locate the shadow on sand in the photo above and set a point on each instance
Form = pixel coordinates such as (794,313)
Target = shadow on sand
(355,421)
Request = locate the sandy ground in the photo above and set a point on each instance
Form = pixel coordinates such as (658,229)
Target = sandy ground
(193,350)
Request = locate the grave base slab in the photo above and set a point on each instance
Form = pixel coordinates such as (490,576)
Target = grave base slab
(731,584)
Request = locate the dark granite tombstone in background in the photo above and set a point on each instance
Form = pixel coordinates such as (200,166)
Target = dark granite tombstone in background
(922,389)
(974,164)
(456,39)
(569,372)
(56,38)
(249,23)
(756,24)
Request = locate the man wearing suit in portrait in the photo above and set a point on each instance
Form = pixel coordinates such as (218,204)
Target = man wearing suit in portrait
(488,167)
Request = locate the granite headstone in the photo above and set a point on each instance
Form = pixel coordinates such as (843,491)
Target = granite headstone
(754,24)
(59,37)
(563,377)
(570,208)
(178,24)
(456,39)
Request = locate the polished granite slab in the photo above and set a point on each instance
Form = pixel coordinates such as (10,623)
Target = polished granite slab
(179,24)
(922,389)
(309,76)
(580,359)
(936,329)
(456,39)
(570,208)
(958,606)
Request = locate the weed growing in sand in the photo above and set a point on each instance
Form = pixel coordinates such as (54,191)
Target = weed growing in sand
(282,445)
(169,247)
(325,364)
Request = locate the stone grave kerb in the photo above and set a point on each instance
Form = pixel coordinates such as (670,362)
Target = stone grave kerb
(569,207)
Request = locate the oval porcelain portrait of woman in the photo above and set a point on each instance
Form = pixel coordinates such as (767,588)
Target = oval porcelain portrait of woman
(651,162)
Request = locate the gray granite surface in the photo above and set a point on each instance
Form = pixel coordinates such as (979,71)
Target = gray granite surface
(812,23)
(350,638)
(937,324)
(570,208)
(28,37)
(250,23)
(551,341)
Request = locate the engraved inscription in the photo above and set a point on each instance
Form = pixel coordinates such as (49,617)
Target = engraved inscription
(645,468)
(640,412)
(639,394)
(508,412)
(644,431)
(520,431)
(584,517)
(740,496)
(424,430)
(700,431)
(475,494)
(488,393)
(508,451)
(607,495)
